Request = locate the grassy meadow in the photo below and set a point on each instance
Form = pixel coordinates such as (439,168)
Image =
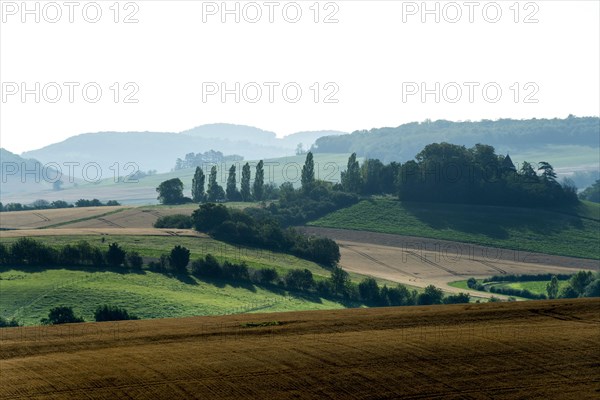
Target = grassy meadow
(574,233)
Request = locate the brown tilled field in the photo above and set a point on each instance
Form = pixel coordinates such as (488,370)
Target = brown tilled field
(530,350)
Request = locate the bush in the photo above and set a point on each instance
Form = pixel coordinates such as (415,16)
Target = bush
(61,315)
(299,279)
(593,289)
(568,292)
(235,272)
(266,275)
(115,256)
(457,298)
(112,313)
(8,323)
(369,291)
(134,260)
(208,267)
(178,221)
(179,258)
(431,295)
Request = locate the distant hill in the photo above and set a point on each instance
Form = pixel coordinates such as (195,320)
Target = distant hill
(159,150)
(20,174)
(507,135)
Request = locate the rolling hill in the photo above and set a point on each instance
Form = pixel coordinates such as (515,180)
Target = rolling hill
(159,150)
(573,234)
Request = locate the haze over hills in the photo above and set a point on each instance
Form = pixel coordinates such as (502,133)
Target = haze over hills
(571,145)
(506,135)
(21,175)
(159,150)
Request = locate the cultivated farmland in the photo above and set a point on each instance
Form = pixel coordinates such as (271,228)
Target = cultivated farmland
(533,350)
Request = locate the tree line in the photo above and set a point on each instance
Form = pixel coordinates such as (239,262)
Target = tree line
(449,173)
(42,204)
(404,141)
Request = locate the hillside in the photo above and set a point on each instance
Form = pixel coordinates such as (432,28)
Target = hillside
(533,350)
(535,230)
(570,145)
(28,295)
(159,150)
(143,191)
(19,175)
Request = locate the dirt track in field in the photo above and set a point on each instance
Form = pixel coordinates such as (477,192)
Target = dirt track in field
(529,350)
(421,261)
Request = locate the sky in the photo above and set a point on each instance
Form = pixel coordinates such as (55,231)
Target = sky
(168,66)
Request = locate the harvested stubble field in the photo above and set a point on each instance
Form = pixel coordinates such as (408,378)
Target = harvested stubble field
(532,350)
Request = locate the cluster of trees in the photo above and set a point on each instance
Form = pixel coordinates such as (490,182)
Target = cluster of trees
(581,284)
(256,190)
(30,252)
(591,193)
(253,227)
(66,315)
(444,172)
(337,287)
(42,204)
(192,160)
(403,142)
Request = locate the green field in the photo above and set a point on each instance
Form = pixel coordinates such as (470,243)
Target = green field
(29,295)
(573,233)
(154,246)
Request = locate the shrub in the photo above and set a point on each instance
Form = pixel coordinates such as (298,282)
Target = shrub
(61,315)
(266,275)
(431,295)
(8,323)
(134,260)
(457,298)
(112,313)
(115,256)
(299,279)
(593,289)
(369,291)
(208,267)
(179,258)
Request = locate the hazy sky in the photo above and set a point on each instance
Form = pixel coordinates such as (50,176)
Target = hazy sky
(366,67)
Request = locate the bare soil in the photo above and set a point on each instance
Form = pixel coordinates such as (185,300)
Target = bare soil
(528,350)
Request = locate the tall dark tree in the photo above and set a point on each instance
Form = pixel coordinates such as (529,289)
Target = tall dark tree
(115,256)
(245,183)
(215,192)
(232,193)
(198,185)
(170,191)
(259,181)
(308,172)
(179,258)
(351,179)
(548,173)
